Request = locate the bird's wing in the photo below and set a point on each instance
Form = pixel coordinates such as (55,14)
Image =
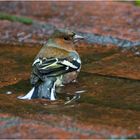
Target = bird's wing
(56,66)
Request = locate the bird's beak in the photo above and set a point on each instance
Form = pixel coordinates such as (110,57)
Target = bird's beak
(77,37)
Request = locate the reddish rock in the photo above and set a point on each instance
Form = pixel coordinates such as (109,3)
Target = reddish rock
(108,107)
(15,127)
(119,19)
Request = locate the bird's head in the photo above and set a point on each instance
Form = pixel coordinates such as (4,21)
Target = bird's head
(66,36)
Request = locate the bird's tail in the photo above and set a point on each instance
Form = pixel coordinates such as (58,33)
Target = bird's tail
(45,90)
(33,93)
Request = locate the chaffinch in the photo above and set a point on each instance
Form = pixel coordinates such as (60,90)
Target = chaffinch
(56,64)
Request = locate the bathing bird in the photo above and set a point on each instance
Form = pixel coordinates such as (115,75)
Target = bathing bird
(57,64)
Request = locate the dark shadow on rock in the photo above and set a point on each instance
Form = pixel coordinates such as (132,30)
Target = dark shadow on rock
(106,40)
(21,86)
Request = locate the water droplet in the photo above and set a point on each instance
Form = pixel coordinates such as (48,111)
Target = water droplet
(9,92)
(137,53)
(80,91)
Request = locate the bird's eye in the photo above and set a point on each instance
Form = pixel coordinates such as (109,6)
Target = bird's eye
(66,38)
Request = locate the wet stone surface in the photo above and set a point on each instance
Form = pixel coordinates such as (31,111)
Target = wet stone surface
(108,86)
(108,107)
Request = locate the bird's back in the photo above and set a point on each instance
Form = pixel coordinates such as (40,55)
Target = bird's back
(49,52)
(55,48)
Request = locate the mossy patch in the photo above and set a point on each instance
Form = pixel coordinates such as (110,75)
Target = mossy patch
(137,2)
(24,20)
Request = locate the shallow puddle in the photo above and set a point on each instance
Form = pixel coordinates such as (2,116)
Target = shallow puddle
(100,99)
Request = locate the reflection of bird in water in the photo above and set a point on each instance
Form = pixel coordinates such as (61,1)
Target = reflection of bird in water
(75,97)
(56,64)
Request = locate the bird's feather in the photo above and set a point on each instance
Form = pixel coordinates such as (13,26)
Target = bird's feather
(56,66)
(28,96)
